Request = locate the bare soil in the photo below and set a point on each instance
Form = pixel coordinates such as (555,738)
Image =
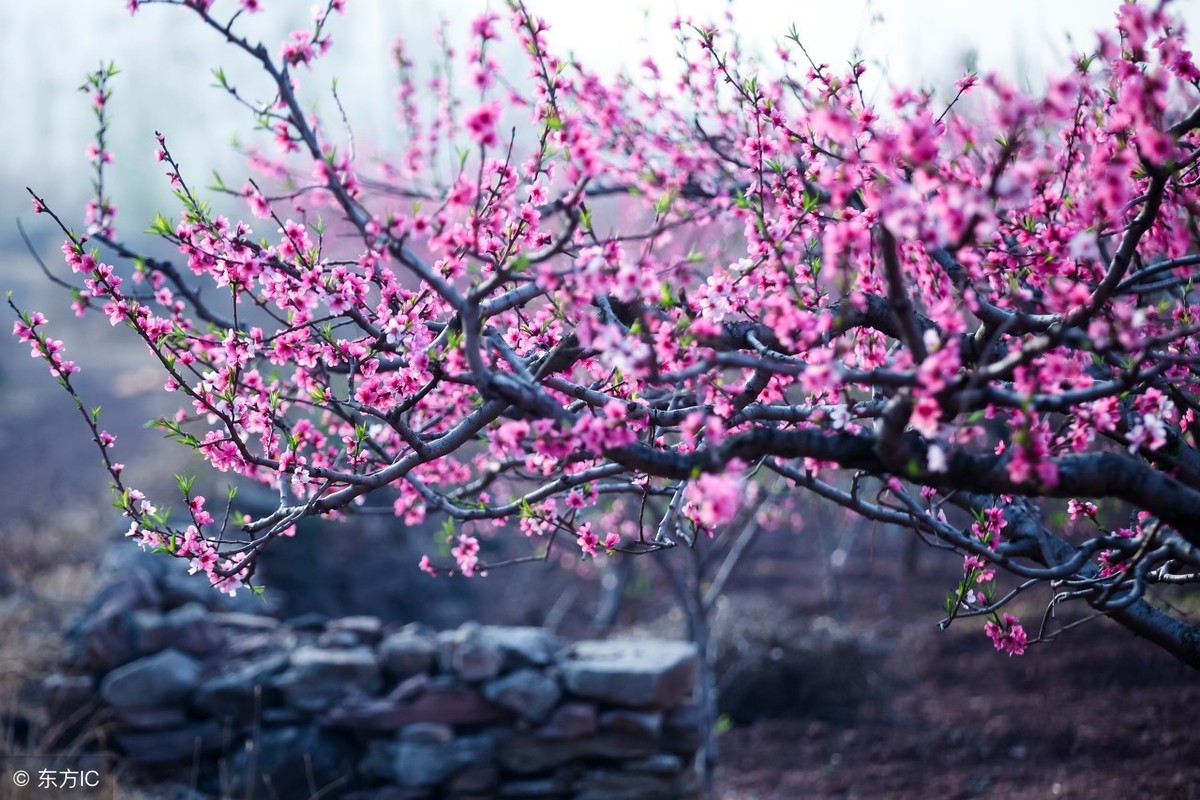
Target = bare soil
(1098,713)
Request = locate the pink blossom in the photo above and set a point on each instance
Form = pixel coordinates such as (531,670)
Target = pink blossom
(587,540)
(96,155)
(925,416)
(713,499)
(481,124)
(1076,509)
(983,572)
(201,516)
(297,49)
(466,554)
(1008,636)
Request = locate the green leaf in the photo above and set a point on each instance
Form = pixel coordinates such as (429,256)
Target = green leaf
(185,483)
(161,226)
(950,602)
(665,297)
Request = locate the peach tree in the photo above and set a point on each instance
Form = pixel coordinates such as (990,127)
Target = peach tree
(601,313)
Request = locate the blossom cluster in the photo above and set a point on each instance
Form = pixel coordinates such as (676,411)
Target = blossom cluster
(572,299)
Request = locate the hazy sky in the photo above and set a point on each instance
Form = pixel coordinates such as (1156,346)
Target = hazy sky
(46,47)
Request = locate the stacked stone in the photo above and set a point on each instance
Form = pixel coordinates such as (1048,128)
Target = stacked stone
(257,706)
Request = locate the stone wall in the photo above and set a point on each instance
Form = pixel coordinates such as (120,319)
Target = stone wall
(238,703)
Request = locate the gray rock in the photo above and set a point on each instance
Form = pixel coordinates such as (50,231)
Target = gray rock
(527,754)
(408,652)
(289,762)
(682,728)
(474,780)
(469,653)
(428,754)
(338,639)
(411,688)
(366,629)
(102,636)
(642,723)
(239,621)
(438,700)
(148,719)
(622,785)
(570,721)
(174,746)
(192,631)
(376,763)
(162,679)
(524,646)
(259,645)
(187,628)
(150,632)
(639,673)
(239,694)
(554,787)
(312,621)
(320,678)
(427,733)
(660,764)
(284,715)
(530,693)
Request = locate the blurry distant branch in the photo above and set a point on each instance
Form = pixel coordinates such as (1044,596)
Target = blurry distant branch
(50,276)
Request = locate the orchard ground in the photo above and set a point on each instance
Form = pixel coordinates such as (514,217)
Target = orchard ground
(1097,714)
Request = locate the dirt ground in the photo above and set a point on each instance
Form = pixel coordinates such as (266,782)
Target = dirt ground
(1096,714)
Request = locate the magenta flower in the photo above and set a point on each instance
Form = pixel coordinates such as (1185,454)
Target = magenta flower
(481,124)
(1007,636)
